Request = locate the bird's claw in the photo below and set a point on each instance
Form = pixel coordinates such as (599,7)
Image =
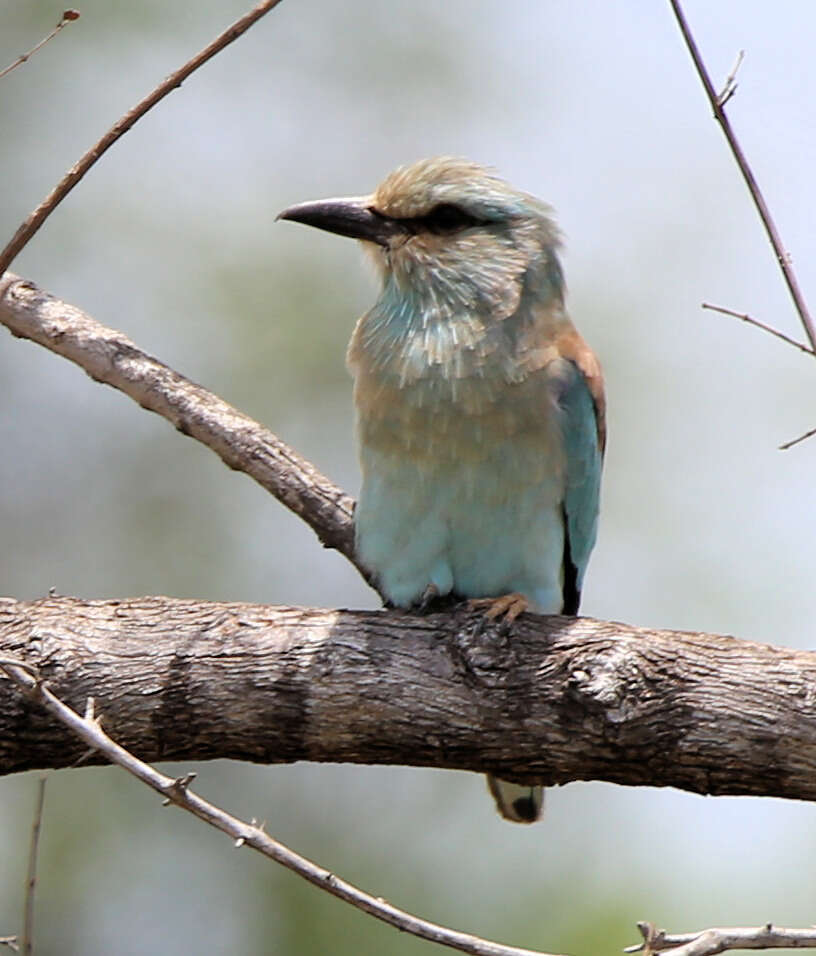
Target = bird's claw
(429,596)
(506,607)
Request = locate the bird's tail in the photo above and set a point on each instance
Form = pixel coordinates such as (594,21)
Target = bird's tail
(521,804)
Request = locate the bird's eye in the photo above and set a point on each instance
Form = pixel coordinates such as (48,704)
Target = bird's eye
(447,218)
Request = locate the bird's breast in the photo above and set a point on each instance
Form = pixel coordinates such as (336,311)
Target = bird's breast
(442,423)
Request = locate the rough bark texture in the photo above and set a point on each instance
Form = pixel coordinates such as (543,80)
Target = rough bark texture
(555,700)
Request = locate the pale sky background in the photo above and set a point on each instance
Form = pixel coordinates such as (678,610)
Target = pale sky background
(593,106)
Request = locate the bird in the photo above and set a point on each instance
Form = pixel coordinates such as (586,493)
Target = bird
(480,409)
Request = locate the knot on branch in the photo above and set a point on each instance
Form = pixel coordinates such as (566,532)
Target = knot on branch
(610,683)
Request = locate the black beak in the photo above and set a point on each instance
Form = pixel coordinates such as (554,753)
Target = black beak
(346,217)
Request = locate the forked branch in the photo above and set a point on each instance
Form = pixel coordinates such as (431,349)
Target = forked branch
(717,102)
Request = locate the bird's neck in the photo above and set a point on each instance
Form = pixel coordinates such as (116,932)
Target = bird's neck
(434,378)
(435,336)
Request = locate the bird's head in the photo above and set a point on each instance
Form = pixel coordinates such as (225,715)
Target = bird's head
(449,235)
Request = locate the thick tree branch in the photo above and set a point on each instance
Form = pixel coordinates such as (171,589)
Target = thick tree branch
(109,356)
(560,699)
(177,791)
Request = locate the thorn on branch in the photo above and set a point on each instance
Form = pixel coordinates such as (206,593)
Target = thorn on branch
(90,713)
(177,790)
(652,939)
(730,85)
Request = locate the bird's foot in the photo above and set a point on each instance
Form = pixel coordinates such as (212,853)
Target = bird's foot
(506,607)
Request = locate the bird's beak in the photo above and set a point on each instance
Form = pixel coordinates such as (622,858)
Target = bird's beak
(347,217)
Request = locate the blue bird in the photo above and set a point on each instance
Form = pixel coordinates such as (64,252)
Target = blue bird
(479,407)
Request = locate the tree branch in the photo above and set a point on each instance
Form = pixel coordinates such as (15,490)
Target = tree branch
(710,942)
(31,875)
(109,356)
(68,16)
(717,102)
(560,699)
(36,219)
(760,325)
(88,729)
(177,791)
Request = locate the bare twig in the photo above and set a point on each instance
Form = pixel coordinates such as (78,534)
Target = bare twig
(109,356)
(121,126)
(717,102)
(177,791)
(67,17)
(730,85)
(710,942)
(780,335)
(760,325)
(795,441)
(31,877)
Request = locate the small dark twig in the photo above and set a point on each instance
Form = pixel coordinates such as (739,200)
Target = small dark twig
(121,126)
(795,441)
(67,17)
(780,335)
(31,877)
(760,325)
(717,103)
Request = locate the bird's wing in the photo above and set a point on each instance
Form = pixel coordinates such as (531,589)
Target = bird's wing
(581,399)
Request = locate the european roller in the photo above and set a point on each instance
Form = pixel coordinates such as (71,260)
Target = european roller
(479,407)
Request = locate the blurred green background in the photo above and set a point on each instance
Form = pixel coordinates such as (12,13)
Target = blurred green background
(171,238)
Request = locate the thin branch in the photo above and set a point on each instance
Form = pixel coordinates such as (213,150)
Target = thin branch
(67,17)
(760,325)
(795,441)
(31,876)
(243,444)
(121,126)
(710,942)
(177,791)
(717,106)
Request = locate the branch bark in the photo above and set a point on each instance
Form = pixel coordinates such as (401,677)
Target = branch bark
(710,942)
(177,791)
(110,357)
(559,699)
